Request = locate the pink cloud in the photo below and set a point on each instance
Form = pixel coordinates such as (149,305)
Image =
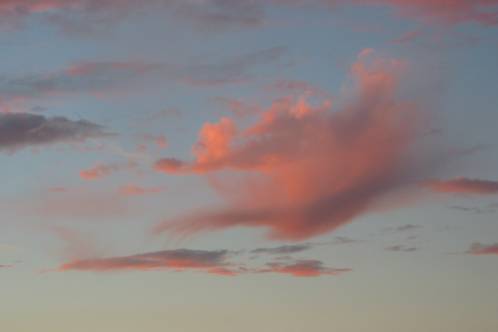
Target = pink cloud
(213,262)
(134,190)
(303,268)
(102,170)
(479,249)
(310,169)
(464,186)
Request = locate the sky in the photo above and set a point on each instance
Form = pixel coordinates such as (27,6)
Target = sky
(249,165)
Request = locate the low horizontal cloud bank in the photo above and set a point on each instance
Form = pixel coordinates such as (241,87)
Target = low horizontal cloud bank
(283,250)
(464,186)
(303,268)
(21,130)
(181,259)
(208,14)
(212,262)
(308,169)
(479,249)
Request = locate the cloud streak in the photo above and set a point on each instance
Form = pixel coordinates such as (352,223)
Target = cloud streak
(221,14)
(180,259)
(303,268)
(464,186)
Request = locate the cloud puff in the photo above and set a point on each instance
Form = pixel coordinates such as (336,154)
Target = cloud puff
(303,268)
(308,170)
(180,259)
(479,249)
(464,186)
(20,130)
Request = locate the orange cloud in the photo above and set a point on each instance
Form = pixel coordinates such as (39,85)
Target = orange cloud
(464,186)
(309,169)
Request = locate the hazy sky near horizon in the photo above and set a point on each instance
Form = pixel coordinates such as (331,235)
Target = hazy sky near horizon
(249,165)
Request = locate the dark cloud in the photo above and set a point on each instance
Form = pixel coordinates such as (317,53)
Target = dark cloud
(282,250)
(20,130)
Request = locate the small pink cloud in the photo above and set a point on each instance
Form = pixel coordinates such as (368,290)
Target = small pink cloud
(464,186)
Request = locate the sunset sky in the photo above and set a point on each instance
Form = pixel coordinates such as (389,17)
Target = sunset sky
(249,165)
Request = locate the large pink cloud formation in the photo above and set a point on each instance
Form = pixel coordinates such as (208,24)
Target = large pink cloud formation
(308,169)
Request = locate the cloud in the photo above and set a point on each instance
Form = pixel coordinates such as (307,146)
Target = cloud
(209,15)
(283,250)
(303,268)
(21,130)
(464,186)
(104,77)
(134,190)
(437,11)
(404,228)
(306,169)
(212,262)
(83,15)
(487,209)
(180,259)
(401,248)
(479,249)
(84,77)
(102,170)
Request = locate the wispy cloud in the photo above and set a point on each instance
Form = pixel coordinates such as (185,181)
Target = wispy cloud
(180,259)
(401,248)
(283,250)
(303,268)
(464,186)
(105,77)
